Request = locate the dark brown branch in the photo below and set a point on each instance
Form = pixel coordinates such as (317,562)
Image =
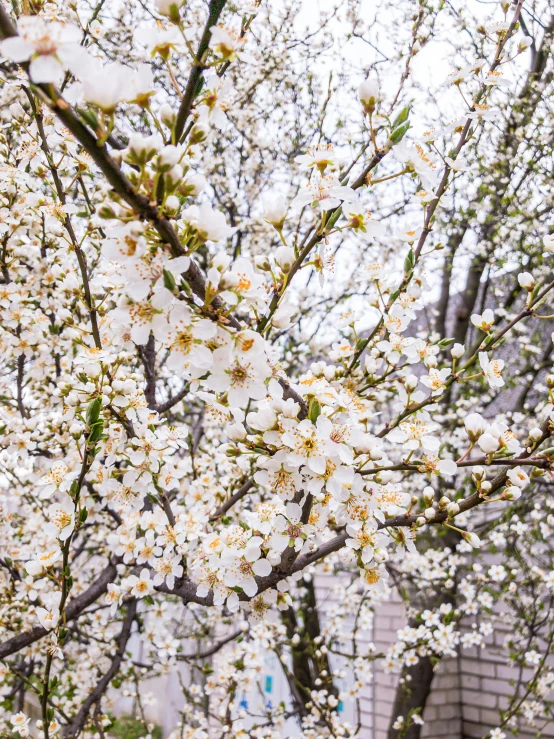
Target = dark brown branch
(78,723)
(211,650)
(241,492)
(74,608)
(198,67)
(20,377)
(148,355)
(170,402)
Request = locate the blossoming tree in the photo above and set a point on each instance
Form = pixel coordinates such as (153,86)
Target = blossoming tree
(255,329)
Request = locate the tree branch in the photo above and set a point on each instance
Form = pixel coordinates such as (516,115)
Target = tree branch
(198,67)
(78,723)
(74,608)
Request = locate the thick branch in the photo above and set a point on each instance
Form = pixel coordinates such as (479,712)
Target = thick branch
(74,608)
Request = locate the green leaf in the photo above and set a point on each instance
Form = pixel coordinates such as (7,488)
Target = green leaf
(169,281)
(409,262)
(314,410)
(186,288)
(90,118)
(398,134)
(93,411)
(401,118)
(96,432)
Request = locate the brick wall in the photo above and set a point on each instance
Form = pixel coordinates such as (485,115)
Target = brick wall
(389,618)
(467,691)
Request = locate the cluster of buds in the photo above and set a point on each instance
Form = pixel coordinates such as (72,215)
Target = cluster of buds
(478,476)
(162,171)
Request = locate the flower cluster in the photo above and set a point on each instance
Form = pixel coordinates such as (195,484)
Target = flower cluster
(198,438)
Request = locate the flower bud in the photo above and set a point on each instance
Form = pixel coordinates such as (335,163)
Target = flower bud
(548,242)
(475,425)
(172,204)
(168,157)
(524,43)
(380,555)
(452,508)
(512,493)
(488,443)
(167,115)
(478,472)
(236,431)
(275,210)
(428,494)
(221,261)
(284,256)
(526,280)
(273,558)
(368,93)
(410,383)
(141,148)
(262,262)
(472,539)
(169,8)
(17,110)
(198,133)
(457,351)
(92,369)
(174,176)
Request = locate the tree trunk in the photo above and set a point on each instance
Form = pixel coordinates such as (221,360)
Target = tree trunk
(412,693)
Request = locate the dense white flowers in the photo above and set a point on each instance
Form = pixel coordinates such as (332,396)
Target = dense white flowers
(213,392)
